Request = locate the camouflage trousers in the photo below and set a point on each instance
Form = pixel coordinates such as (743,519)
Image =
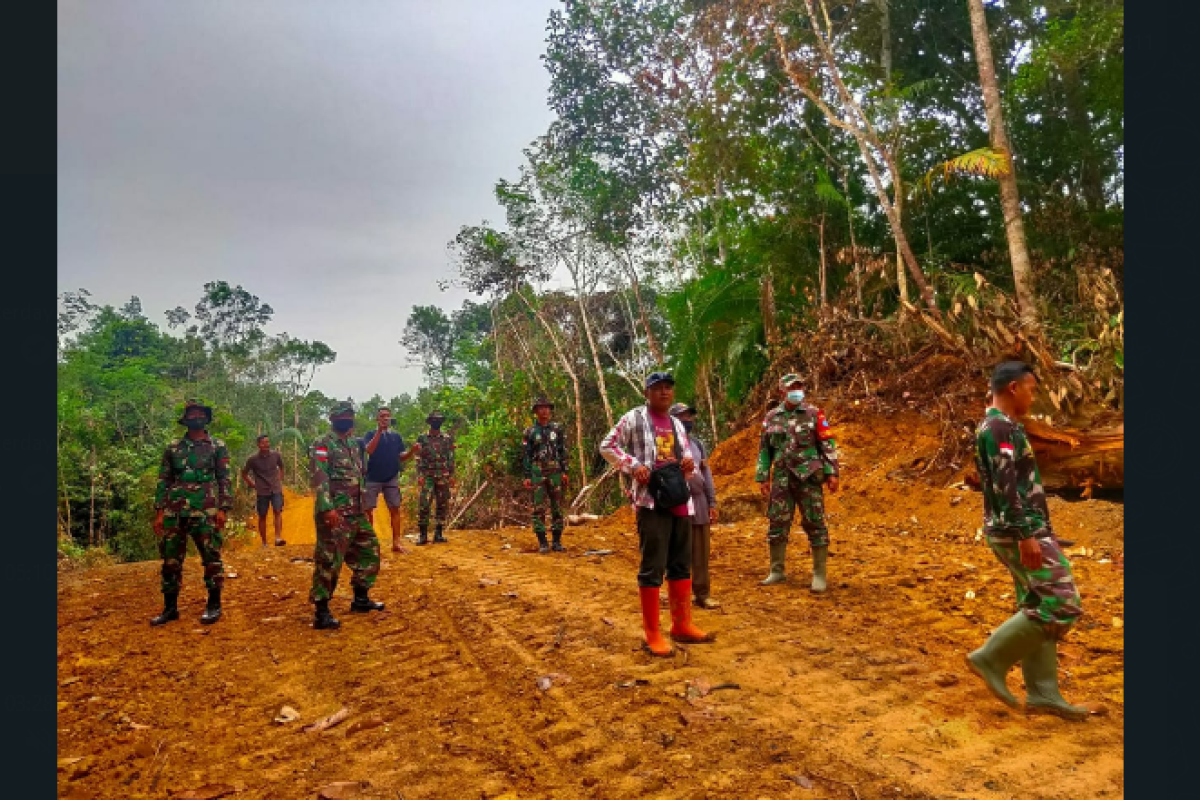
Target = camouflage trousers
(354,542)
(433,489)
(1047,594)
(787,492)
(172,546)
(547,488)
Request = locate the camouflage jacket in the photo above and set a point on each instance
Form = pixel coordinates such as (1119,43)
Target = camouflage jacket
(193,479)
(1013,498)
(436,459)
(336,474)
(545,446)
(798,440)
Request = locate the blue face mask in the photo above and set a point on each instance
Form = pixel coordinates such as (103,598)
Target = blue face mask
(342,425)
(796,396)
(687,426)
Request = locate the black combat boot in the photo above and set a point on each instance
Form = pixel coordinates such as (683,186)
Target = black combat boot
(324,620)
(558,545)
(543,545)
(362,603)
(170,609)
(423,538)
(212,611)
(437,536)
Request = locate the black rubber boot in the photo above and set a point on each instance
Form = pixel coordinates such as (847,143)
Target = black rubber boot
(1013,641)
(362,603)
(437,536)
(170,609)
(324,620)
(558,545)
(543,545)
(423,536)
(212,611)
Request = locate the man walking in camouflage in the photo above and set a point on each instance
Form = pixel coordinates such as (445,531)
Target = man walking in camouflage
(435,477)
(344,532)
(797,456)
(193,497)
(1016,521)
(544,453)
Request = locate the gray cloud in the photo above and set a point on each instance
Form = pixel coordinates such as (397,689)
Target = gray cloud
(321,154)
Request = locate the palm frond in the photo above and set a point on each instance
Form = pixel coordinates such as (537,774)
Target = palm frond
(986,162)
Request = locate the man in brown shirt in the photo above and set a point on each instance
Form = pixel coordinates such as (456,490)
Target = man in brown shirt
(267,467)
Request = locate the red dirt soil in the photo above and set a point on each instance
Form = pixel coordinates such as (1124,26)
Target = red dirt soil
(857,693)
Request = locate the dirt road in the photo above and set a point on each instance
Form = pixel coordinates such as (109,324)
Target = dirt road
(859,693)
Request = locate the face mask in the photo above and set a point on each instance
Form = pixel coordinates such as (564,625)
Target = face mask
(687,426)
(795,396)
(342,425)
(195,424)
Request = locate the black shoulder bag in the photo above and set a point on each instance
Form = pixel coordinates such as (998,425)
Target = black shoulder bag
(667,485)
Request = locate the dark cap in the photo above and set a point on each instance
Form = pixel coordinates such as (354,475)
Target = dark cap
(342,407)
(658,377)
(681,408)
(541,401)
(435,415)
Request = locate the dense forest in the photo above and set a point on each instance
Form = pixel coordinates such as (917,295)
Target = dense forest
(727,188)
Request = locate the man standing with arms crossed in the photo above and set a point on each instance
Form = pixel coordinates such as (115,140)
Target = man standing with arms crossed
(1016,521)
(343,531)
(385,459)
(193,497)
(544,453)
(435,469)
(267,467)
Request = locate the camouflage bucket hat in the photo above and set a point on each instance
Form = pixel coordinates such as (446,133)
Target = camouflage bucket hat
(190,404)
(680,408)
(541,401)
(342,407)
(435,415)
(789,379)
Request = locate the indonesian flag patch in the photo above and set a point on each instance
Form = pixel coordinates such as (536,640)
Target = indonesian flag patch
(320,454)
(1006,449)
(823,429)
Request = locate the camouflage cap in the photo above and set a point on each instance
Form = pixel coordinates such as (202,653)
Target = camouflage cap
(188,405)
(789,379)
(680,408)
(342,407)
(541,401)
(435,415)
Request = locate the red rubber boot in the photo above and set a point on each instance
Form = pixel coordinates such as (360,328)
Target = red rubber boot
(682,629)
(655,643)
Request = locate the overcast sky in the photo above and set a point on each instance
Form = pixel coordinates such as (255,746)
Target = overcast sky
(321,154)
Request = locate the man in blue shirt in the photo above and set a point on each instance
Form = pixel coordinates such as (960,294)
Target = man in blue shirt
(386,455)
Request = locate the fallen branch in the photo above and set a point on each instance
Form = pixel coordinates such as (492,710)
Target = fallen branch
(463,510)
(592,486)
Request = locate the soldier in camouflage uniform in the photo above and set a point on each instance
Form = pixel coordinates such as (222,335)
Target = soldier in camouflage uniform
(193,496)
(344,532)
(1016,521)
(798,443)
(544,457)
(435,477)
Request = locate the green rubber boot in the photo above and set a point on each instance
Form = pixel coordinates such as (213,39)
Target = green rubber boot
(1011,642)
(1041,684)
(778,557)
(819,556)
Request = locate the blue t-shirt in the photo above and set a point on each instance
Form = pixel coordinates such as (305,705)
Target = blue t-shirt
(384,464)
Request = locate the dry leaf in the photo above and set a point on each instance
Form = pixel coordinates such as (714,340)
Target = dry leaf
(328,722)
(287,714)
(70,680)
(340,790)
(66,762)
(210,791)
(360,725)
(800,780)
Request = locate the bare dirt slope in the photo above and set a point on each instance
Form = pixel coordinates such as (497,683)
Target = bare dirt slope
(859,693)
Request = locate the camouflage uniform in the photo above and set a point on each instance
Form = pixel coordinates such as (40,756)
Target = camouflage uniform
(1015,508)
(337,477)
(799,444)
(193,485)
(435,463)
(544,452)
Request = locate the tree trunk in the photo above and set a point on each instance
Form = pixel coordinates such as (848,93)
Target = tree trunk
(566,365)
(92,504)
(712,408)
(824,267)
(651,342)
(1010,200)
(857,272)
(767,302)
